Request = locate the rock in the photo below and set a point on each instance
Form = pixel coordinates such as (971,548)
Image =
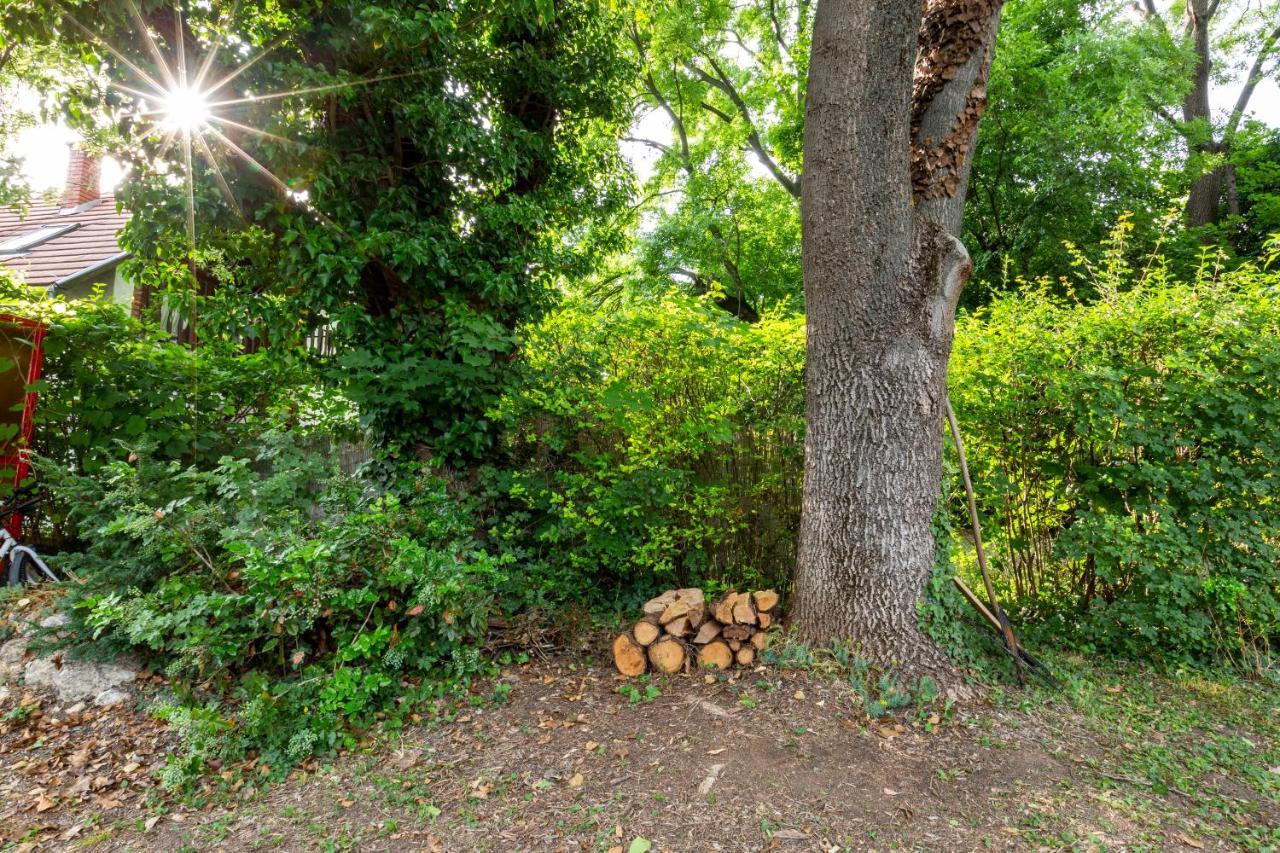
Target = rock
(57,620)
(74,709)
(11,658)
(4,696)
(78,680)
(109,697)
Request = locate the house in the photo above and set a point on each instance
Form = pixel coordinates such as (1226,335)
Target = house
(72,246)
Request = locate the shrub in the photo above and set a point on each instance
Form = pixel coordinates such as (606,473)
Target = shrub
(111,383)
(289,606)
(1125,452)
(654,444)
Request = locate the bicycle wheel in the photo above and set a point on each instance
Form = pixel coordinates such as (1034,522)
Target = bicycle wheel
(25,566)
(17,569)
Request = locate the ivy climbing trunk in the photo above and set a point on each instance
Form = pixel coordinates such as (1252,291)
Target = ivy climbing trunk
(894,100)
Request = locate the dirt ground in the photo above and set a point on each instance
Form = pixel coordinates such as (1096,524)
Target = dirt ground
(769,760)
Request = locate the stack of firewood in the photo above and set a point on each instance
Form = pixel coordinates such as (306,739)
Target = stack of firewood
(680,630)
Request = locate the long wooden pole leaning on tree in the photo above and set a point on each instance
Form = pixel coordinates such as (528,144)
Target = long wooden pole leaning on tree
(994,614)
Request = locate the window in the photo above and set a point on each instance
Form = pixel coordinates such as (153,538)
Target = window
(22,242)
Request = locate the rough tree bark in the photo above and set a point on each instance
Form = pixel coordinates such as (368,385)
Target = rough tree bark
(1206,189)
(894,100)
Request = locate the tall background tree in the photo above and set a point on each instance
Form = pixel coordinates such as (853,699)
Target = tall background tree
(1215,43)
(415,192)
(1085,126)
(726,82)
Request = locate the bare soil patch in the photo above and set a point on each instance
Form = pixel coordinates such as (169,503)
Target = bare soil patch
(764,760)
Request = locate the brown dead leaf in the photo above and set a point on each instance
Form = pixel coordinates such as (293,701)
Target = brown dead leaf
(1189,841)
(591,746)
(44,804)
(576,781)
(716,751)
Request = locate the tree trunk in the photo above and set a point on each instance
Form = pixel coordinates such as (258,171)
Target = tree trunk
(1206,190)
(889,132)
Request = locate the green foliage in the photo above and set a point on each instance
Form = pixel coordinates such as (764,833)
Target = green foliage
(291,607)
(652,445)
(1124,452)
(447,155)
(1069,140)
(726,83)
(111,385)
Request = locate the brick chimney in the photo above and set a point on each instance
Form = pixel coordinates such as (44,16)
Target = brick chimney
(84,174)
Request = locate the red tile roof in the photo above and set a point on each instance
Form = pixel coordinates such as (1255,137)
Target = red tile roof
(92,244)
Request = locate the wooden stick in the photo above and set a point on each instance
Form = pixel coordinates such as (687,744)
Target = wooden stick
(1002,621)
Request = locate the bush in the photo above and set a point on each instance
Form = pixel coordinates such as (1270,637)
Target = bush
(278,584)
(1125,452)
(654,444)
(111,383)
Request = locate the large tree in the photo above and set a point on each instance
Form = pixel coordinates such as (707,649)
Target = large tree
(1214,42)
(895,94)
(415,195)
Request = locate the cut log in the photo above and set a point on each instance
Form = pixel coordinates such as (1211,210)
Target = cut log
(735,632)
(743,612)
(693,595)
(628,656)
(734,644)
(674,610)
(746,655)
(655,606)
(679,626)
(667,655)
(708,632)
(765,619)
(760,640)
(645,631)
(766,600)
(722,610)
(697,614)
(715,654)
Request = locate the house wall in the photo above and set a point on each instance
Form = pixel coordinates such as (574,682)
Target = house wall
(115,287)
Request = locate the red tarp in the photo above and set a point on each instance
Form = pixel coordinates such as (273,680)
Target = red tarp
(21,340)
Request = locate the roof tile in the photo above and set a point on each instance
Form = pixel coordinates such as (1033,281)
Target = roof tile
(67,254)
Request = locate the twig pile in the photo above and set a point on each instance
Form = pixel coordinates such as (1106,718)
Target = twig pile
(679,630)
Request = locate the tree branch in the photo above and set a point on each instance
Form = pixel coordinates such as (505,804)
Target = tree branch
(1251,82)
(721,81)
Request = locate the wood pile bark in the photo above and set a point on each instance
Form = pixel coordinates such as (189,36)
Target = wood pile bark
(679,631)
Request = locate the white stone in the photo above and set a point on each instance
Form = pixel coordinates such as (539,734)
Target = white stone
(109,697)
(77,680)
(11,659)
(57,620)
(4,696)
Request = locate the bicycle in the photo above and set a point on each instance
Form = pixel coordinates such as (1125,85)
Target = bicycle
(22,558)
